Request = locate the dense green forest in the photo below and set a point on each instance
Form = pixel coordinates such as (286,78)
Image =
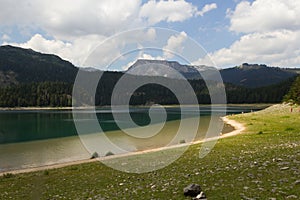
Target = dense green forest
(58,94)
(294,93)
(36,94)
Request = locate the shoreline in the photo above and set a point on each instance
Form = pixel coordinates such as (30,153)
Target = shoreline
(238,129)
(141,106)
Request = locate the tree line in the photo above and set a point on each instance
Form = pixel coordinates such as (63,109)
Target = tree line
(43,94)
(293,94)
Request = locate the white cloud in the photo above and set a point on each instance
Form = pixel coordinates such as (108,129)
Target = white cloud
(64,19)
(76,27)
(174,44)
(265,15)
(207,8)
(13,12)
(91,50)
(5,37)
(82,17)
(276,48)
(270,34)
(76,52)
(170,11)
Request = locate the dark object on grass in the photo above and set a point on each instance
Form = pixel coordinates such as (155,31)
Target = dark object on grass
(192,190)
(94,155)
(8,175)
(260,132)
(46,172)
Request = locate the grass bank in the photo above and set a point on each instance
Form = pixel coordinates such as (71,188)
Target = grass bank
(261,163)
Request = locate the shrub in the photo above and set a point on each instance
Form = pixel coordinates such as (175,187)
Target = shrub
(46,172)
(8,175)
(289,129)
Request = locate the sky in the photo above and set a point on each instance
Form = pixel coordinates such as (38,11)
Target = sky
(227,32)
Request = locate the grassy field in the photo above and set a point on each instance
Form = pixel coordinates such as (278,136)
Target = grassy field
(261,163)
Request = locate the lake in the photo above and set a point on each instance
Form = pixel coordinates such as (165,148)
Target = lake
(32,138)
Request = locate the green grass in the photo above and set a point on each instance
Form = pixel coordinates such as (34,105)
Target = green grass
(262,163)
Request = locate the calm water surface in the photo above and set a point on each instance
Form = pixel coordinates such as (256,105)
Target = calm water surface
(43,137)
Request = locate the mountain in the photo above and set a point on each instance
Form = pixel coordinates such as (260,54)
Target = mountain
(168,69)
(29,78)
(18,65)
(254,75)
(246,75)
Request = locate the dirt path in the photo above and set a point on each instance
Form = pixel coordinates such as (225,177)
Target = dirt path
(239,128)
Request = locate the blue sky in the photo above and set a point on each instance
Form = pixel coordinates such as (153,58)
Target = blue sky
(231,31)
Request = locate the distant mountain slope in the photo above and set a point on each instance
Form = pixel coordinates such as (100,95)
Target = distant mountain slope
(253,75)
(18,65)
(144,67)
(245,75)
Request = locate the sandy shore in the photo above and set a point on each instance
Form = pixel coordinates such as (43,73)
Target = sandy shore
(238,128)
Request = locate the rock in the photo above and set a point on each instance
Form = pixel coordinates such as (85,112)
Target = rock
(284,168)
(94,155)
(277,159)
(247,198)
(192,190)
(297,182)
(200,196)
(109,153)
(188,175)
(292,197)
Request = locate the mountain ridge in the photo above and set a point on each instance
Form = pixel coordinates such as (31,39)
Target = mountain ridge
(18,65)
(26,65)
(247,75)
(29,78)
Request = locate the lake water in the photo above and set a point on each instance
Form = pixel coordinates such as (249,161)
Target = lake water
(43,137)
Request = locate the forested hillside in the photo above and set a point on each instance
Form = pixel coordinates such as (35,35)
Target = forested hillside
(19,65)
(294,93)
(254,75)
(29,78)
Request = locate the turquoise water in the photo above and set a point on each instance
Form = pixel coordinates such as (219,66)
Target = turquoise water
(43,137)
(21,126)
